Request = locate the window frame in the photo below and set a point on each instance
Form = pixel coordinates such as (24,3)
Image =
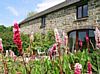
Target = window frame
(77,37)
(82,11)
(43,21)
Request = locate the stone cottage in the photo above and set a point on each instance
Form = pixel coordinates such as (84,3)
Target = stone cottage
(77,18)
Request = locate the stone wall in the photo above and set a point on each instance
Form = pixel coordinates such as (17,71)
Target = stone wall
(31,26)
(65,19)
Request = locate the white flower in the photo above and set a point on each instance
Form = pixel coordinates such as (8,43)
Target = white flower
(26,59)
(7,53)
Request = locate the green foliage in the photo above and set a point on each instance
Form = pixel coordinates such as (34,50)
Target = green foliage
(2,28)
(46,66)
(6,33)
(26,41)
(43,42)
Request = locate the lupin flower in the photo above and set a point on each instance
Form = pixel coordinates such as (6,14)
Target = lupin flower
(53,51)
(57,36)
(1,46)
(78,68)
(16,37)
(97,37)
(89,68)
(65,39)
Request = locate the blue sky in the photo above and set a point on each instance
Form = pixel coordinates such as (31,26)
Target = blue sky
(17,10)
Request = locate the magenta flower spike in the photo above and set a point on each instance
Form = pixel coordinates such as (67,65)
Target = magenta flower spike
(16,37)
(89,67)
(1,45)
(53,51)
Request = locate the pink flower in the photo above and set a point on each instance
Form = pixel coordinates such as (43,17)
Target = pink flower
(16,37)
(1,46)
(97,37)
(12,55)
(53,51)
(87,38)
(57,36)
(65,39)
(89,68)
(78,68)
(80,43)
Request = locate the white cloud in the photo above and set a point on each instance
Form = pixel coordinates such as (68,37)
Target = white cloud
(13,10)
(47,4)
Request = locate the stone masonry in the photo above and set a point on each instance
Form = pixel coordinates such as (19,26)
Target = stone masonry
(65,19)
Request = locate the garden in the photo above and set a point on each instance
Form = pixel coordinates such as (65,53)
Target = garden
(46,53)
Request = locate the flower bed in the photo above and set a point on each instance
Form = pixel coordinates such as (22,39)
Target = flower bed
(47,66)
(59,60)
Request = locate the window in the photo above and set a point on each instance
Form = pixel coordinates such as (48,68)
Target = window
(43,22)
(77,35)
(82,11)
(72,40)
